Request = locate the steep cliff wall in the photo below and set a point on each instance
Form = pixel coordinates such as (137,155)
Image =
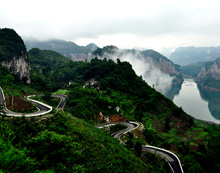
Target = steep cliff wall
(19,67)
(209,75)
(212,69)
(167,67)
(13,54)
(164,65)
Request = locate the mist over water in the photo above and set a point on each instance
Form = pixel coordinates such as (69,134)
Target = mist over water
(144,66)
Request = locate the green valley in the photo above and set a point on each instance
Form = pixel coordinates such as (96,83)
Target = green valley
(97,92)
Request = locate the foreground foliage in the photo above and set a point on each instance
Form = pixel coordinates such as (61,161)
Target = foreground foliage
(62,144)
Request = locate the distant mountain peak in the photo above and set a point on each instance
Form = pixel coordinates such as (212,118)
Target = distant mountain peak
(191,54)
(66,48)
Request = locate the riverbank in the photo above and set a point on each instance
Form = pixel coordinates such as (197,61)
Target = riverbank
(200,104)
(208,88)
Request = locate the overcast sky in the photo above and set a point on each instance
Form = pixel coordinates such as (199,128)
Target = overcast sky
(125,23)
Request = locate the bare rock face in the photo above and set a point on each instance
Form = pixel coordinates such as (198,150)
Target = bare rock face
(79,56)
(167,66)
(19,67)
(212,69)
(13,54)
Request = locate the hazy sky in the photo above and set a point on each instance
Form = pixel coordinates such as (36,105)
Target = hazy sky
(125,23)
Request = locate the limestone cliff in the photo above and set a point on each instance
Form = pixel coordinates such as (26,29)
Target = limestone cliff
(209,75)
(212,69)
(164,64)
(13,54)
(19,66)
(167,66)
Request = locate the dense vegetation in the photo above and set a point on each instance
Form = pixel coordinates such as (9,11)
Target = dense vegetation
(62,144)
(192,70)
(11,44)
(69,142)
(166,125)
(107,49)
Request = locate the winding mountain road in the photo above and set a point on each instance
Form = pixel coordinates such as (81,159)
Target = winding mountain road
(170,157)
(42,108)
(62,101)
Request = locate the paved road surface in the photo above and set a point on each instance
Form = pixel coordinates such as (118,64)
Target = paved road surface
(2,98)
(62,101)
(170,157)
(42,108)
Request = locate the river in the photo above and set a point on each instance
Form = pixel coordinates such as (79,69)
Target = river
(199,103)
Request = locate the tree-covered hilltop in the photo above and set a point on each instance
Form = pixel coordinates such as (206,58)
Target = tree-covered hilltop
(48,69)
(11,44)
(151,59)
(99,91)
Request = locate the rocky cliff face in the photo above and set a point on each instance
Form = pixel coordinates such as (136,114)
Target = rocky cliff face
(19,66)
(80,57)
(164,65)
(212,69)
(167,67)
(13,54)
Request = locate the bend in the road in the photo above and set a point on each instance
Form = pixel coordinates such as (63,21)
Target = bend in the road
(42,107)
(170,157)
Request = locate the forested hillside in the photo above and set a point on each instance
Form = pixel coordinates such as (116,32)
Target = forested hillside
(151,59)
(97,92)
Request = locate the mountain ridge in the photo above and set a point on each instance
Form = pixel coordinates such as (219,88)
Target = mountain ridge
(66,48)
(191,54)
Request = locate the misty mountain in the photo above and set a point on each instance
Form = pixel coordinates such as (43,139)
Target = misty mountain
(188,55)
(156,70)
(66,48)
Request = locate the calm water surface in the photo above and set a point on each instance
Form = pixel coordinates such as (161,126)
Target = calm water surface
(201,104)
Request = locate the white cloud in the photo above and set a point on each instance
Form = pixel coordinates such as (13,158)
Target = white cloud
(125,23)
(143,66)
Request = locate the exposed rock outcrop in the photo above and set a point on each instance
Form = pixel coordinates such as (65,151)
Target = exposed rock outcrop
(209,76)
(19,67)
(79,57)
(13,54)
(167,67)
(212,69)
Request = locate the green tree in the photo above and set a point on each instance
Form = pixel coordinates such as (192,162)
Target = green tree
(138,148)
(50,148)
